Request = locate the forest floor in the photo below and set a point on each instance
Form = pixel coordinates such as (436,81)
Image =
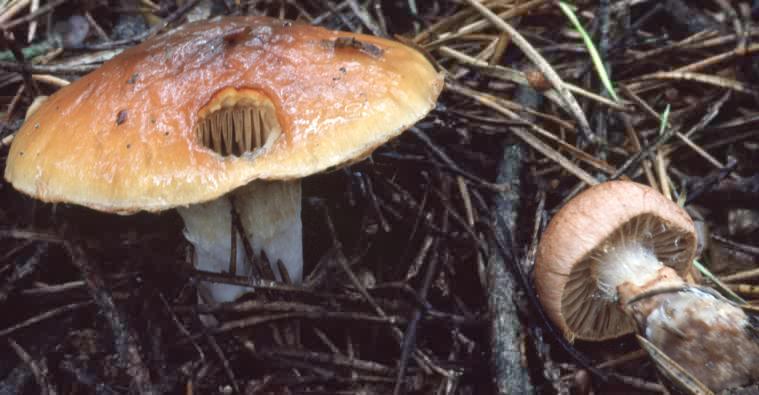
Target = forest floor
(418,260)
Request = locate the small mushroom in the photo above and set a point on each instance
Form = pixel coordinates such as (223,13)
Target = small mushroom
(219,115)
(612,233)
(610,262)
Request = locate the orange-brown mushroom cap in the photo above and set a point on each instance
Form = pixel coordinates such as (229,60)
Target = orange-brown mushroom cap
(123,138)
(591,223)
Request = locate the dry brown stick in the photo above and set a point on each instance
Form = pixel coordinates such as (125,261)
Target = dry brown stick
(10,9)
(248,306)
(8,40)
(706,79)
(267,285)
(375,203)
(181,326)
(260,319)
(47,289)
(748,290)
(515,11)
(505,329)
(180,12)
(518,77)
(440,153)
(327,359)
(424,360)
(620,360)
(745,248)
(526,136)
(259,269)
(99,30)
(717,59)
(738,26)
(16,380)
(741,276)
(125,339)
(634,159)
(695,38)
(44,316)
(30,235)
(409,338)
(51,79)
(21,270)
(545,68)
(32,15)
(684,137)
(365,18)
(12,107)
(47,69)
(326,341)
(449,22)
(335,10)
(641,384)
(38,368)
(633,136)
(225,362)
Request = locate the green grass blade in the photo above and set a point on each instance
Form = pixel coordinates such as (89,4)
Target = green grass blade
(594,55)
(718,284)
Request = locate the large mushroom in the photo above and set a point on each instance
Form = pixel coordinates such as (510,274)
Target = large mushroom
(611,262)
(219,115)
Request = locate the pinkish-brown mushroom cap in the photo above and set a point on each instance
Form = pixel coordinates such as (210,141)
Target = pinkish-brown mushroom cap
(565,275)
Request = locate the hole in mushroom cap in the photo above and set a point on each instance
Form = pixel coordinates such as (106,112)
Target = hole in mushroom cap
(237,122)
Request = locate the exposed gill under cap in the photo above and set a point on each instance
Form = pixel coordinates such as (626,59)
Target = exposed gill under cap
(580,236)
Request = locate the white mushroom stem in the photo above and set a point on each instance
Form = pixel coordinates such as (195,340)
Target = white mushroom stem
(634,266)
(270,214)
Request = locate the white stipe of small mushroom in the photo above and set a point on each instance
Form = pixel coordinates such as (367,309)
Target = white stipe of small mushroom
(629,262)
(634,254)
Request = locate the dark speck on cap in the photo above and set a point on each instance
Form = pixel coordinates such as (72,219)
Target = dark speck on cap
(121,117)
